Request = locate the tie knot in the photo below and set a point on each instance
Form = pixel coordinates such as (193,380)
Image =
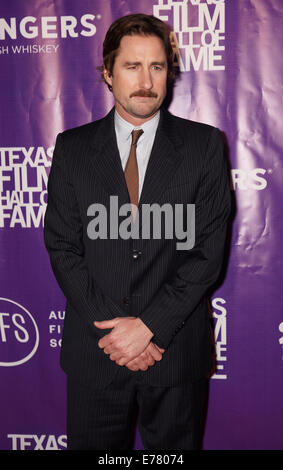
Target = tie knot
(136,135)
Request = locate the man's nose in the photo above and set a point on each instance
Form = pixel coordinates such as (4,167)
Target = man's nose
(145,79)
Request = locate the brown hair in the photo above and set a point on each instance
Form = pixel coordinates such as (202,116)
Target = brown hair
(130,25)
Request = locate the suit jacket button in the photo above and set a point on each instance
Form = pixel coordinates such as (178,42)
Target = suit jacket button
(136,254)
(126,300)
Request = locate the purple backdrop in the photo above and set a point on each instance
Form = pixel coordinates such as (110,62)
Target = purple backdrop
(230,59)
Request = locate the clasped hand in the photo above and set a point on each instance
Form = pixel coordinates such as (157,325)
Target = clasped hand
(129,343)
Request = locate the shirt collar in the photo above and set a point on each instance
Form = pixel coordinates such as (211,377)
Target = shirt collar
(124,128)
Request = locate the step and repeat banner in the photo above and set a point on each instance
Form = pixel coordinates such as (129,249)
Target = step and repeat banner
(229,54)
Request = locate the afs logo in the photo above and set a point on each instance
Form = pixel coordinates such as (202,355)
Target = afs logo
(19,336)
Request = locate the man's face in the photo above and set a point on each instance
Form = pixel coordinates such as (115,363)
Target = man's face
(139,77)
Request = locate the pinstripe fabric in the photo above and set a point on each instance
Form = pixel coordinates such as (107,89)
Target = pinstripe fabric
(100,419)
(105,278)
(167,417)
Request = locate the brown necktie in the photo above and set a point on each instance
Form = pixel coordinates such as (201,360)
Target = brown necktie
(132,172)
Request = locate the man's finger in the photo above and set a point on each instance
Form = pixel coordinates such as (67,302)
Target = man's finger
(137,364)
(132,366)
(104,342)
(159,349)
(155,353)
(116,357)
(108,349)
(106,323)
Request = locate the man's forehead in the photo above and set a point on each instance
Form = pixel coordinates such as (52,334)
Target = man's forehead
(131,44)
(141,39)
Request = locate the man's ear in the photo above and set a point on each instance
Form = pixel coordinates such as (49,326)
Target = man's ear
(107,77)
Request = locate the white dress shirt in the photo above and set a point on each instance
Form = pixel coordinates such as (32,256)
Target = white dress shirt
(144,145)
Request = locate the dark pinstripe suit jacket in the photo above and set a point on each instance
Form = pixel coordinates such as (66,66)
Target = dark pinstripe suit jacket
(105,278)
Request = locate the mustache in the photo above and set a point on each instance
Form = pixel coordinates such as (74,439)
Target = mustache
(144,93)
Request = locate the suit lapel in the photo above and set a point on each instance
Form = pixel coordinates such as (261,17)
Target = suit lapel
(107,161)
(163,162)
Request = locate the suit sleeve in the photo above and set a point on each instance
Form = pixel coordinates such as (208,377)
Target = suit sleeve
(177,299)
(63,237)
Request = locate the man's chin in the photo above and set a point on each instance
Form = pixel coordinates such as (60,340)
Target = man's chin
(143,112)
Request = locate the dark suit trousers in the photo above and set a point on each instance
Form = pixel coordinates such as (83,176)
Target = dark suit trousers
(168,418)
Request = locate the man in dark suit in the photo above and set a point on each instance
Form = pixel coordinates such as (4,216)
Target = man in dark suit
(137,328)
